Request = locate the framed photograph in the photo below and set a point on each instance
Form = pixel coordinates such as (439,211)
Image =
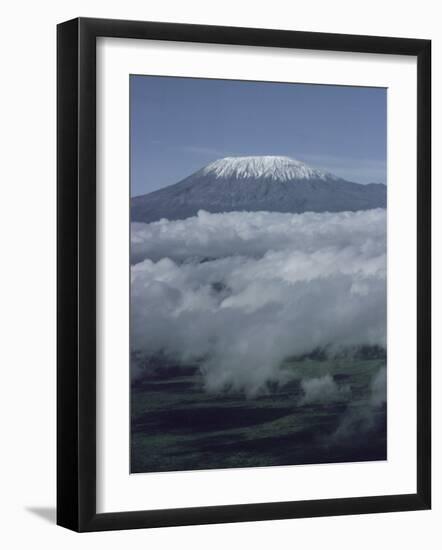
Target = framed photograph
(243,274)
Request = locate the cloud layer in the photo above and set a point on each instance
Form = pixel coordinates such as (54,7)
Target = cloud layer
(241,292)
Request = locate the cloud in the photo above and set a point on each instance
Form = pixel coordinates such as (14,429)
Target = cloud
(370,418)
(253,234)
(323,390)
(240,292)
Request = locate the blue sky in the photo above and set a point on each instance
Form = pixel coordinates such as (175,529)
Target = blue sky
(179,125)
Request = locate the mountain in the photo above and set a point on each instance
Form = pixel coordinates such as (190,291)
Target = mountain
(271,183)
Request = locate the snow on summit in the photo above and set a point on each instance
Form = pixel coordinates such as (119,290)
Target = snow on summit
(254,184)
(278,168)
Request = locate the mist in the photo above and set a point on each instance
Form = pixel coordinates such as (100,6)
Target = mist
(238,293)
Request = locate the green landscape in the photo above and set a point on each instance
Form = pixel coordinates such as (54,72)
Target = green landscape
(321,411)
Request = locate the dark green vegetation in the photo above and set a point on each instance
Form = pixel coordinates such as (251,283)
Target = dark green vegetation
(177,425)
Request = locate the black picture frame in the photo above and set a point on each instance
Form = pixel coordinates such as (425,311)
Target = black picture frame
(76,274)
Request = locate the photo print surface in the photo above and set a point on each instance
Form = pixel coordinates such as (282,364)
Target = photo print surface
(258,274)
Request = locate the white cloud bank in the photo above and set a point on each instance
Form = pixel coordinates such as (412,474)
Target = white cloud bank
(243,291)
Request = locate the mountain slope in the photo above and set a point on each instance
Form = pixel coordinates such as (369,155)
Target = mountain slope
(275,184)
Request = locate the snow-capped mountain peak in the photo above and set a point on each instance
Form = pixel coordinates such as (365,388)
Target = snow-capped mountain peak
(277,168)
(252,184)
